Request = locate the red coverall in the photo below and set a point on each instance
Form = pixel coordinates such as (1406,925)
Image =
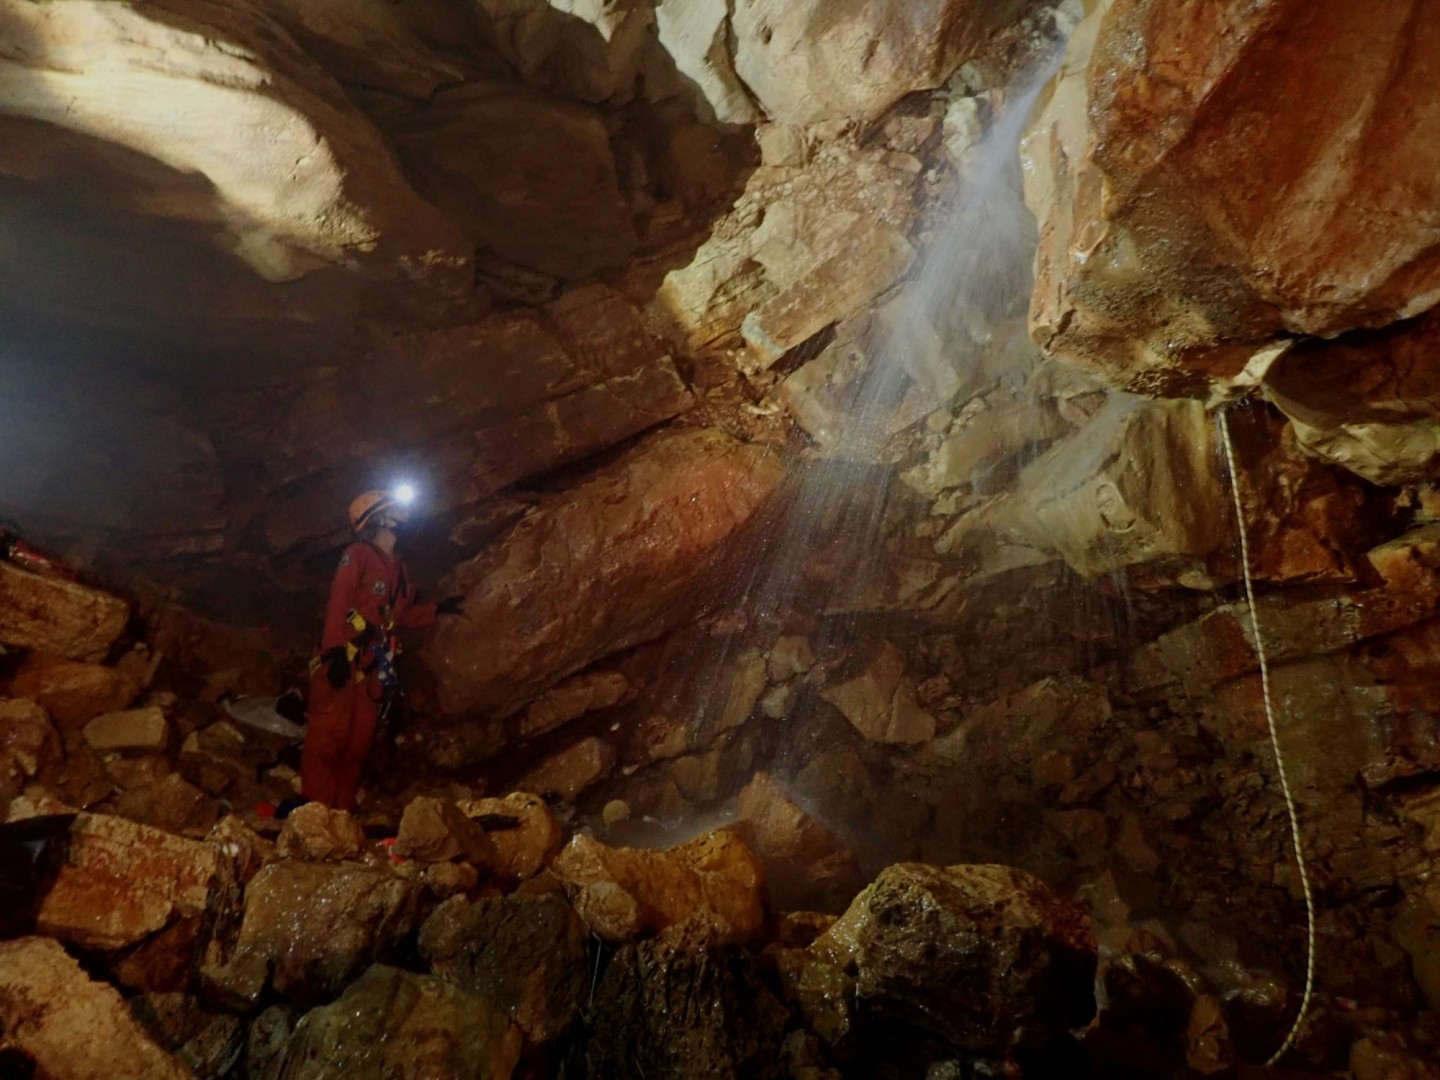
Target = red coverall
(342,722)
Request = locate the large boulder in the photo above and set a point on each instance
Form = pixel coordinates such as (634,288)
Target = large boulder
(70,691)
(55,615)
(525,849)
(308,929)
(437,830)
(986,958)
(316,833)
(525,955)
(393,1023)
(625,892)
(122,882)
(682,1006)
(608,565)
(69,1025)
(1166,256)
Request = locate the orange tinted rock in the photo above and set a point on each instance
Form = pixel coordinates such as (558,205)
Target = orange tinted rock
(70,691)
(122,882)
(625,892)
(524,851)
(573,770)
(437,830)
(806,865)
(28,745)
(52,615)
(613,562)
(1210,178)
(73,1027)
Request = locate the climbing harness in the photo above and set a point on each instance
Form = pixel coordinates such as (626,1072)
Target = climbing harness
(1274,745)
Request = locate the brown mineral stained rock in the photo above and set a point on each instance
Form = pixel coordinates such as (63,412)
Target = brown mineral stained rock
(1137,485)
(172,803)
(624,892)
(811,60)
(71,1026)
(122,881)
(163,962)
(1367,402)
(28,746)
(316,833)
(132,729)
(573,770)
(680,1005)
(1165,251)
(572,699)
(474,149)
(310,928)
(301,179)
(806,865)
(72,692)
(524,851)
(526,956)
(881,704)
(52,615)
(605,567)
(392,1023)
(437,830)
(447,879)
(983,956)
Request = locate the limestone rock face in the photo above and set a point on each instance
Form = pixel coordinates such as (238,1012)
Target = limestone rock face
(1166,254)
(695,33)
(310,928)
(395,1023)
(814,60)
(625,892)
(50,614)
(525,955)
(301,180)
(806,864)
(983,956)
(1136,485)
(881,704)
(588,49)
(573,770)
(602,569)
(1366,402)
(71,1026)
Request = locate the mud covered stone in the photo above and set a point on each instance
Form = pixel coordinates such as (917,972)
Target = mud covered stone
(316,833)
(393,1023)
(69,1025)
(525,955)
(681,1006)
(625,892)
(987,958)
(308,929)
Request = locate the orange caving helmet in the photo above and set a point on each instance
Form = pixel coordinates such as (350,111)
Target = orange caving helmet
(364,507)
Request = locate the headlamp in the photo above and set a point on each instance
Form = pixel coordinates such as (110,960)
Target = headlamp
(404,493)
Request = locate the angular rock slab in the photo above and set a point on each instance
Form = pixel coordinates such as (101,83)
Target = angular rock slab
(525,955)
(609,564)
(1204,186)
(308,929)
(983,956)
(316,833)
(50,614)
(123,882)
(73,1027)
(70,691)
(392,1023)
(524,851)
(437,830)
(624,892)
(806,864)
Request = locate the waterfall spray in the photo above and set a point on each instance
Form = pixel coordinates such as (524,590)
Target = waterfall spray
(1274,744)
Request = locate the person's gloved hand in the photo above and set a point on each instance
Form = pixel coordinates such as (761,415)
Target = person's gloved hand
(450,606)
(337,667)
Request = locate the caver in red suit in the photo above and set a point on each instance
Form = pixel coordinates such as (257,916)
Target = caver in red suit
(353,673)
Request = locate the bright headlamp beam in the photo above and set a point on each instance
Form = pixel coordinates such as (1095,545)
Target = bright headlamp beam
(404,493)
